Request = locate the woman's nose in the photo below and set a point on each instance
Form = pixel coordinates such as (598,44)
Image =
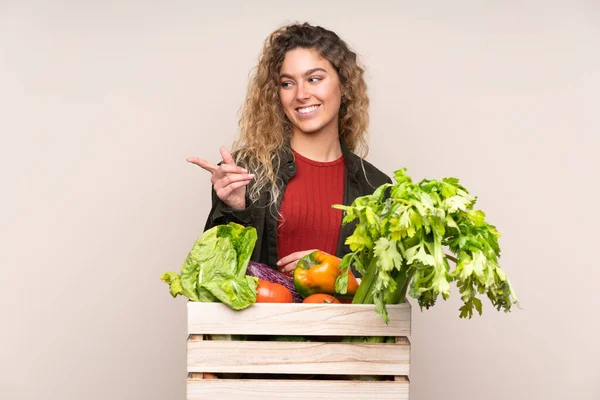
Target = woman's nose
(302,92)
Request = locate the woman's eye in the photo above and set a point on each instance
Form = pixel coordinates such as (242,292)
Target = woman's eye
(314,79)
(286,84)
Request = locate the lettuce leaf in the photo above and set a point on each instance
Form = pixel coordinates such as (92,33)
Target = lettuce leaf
(215,268)
(234,291)
(174,281)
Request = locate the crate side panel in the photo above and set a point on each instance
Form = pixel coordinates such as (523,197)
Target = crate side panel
(299,357)
(259,389)
(298,319)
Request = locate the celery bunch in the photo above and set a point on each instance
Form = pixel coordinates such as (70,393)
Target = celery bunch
(403,236)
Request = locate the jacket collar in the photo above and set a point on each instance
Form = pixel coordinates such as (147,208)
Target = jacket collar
(352,161)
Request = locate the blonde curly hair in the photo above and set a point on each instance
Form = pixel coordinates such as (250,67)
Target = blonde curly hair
(264,128)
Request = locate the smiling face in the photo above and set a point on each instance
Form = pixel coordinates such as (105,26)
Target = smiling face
(310,92)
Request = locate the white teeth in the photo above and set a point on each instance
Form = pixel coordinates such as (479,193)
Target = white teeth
(307,109)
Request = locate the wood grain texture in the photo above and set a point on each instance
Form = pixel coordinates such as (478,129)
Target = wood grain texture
(258,389)
(298,357)
(298,319)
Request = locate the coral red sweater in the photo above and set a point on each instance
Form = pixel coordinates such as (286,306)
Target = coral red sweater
(307,219)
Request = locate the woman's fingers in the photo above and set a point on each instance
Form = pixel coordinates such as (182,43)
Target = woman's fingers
(288,263)
(289,268)
(202,163)
(294,256)
(226,155)
(224,192)
(226,169)
(220,170)
(229,180)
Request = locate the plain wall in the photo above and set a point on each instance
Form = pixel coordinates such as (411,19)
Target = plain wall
(102,101)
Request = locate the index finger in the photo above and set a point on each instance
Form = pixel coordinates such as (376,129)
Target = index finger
(202,163)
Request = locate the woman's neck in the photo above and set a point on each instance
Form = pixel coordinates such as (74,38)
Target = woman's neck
(317,147)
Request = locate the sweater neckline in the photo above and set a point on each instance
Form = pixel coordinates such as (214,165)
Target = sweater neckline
(299,156)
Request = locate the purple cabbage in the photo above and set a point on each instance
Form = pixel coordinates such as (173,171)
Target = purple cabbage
(264,272)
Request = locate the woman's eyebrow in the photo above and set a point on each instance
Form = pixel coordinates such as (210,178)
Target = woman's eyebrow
(305,74)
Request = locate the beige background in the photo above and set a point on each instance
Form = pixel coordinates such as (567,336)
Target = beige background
(102,101)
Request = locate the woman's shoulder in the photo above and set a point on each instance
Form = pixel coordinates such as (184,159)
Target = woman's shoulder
(363,170)
(374,175)
(358,167)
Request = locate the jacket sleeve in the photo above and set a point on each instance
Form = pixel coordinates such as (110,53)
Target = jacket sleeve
(221,213)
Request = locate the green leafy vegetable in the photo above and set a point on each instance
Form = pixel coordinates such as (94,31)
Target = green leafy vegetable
(215,268)
(402,234)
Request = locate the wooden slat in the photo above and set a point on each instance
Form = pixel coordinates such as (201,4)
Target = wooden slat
(298,319)
(404,341)
(298,357)
(196,375)
(258,389)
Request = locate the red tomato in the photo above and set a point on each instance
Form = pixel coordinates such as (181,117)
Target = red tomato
(321,298)
(270,292)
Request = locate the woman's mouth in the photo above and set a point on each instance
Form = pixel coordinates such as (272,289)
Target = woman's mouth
(307,110)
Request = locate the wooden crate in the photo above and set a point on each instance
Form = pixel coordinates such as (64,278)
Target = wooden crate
(318,369)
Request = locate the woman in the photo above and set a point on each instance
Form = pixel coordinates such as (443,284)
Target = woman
(305,116)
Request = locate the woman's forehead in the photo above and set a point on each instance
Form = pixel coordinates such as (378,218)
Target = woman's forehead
(300,60)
